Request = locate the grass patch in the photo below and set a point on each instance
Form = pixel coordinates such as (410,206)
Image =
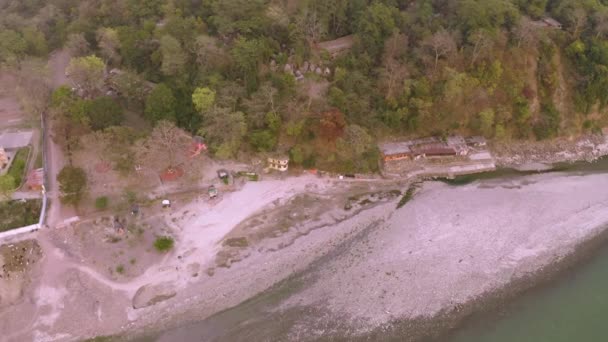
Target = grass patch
(409,194)
(38,163)
(15,214)
(17,169)
(236,242)
(120,269)
(164,243)
(252,176)
(101,203)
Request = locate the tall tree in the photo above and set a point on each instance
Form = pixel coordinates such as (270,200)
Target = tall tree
(109,45)
(375,25)
(203,99)
(166,147)
(248,55)
(88,74)
(224,130)
(174,57)
(78,45)
(441,43)
(160,104)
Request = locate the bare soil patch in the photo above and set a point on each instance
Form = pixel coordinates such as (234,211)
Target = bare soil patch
(280,225)
(120,247)
(17,261)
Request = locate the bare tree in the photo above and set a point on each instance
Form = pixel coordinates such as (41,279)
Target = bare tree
(394,70)
(310,24)
(31,86)
(109,44)
(526,33)
(166,147)
(208,54)
(579,19)
(77,45)
(600,20)
(482,43)
(441,43)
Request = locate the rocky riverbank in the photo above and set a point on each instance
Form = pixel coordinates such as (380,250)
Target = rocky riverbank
(536,155)
(402,273)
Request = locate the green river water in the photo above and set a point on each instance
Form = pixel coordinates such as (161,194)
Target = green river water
(572,307)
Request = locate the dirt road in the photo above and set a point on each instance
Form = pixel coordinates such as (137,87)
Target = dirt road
(55,160)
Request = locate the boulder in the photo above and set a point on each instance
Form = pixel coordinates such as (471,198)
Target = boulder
(318,71)
(299,75)
(149,294)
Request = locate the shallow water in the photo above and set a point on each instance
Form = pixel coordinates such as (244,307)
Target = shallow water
(574,307)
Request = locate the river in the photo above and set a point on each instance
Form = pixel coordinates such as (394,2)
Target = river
(569,307)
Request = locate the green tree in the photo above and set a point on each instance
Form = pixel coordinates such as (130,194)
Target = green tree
(109,44)
(88,74)
(486,14)
(160,104)
(203,99)
(224,130)
(35,41)
(104,112)
(174,57)
(376,24)
(72,184)
(486,118)
(248,55)
(131,86)
(12,46)
(247,17)
(263,140)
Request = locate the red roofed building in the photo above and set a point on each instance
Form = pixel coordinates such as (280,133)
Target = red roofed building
(35,180)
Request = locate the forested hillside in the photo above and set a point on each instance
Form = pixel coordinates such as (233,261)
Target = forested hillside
(217,69)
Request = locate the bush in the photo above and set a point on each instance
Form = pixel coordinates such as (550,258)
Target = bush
(163,243)
(17,169)
(101,203)
(409,194)
(120,269)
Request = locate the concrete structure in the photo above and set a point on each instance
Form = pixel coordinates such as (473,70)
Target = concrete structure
(548,22)
(278,163)
(13,141)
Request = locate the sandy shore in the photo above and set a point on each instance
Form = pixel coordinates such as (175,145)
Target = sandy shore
(447,247)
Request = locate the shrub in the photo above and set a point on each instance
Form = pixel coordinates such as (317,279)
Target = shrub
(409,194)
(101,203)
(120,269)
(163,243)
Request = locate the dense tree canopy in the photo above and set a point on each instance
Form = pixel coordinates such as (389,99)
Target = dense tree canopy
(225,69)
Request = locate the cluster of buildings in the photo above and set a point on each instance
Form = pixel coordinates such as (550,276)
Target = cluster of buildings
(431,147)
